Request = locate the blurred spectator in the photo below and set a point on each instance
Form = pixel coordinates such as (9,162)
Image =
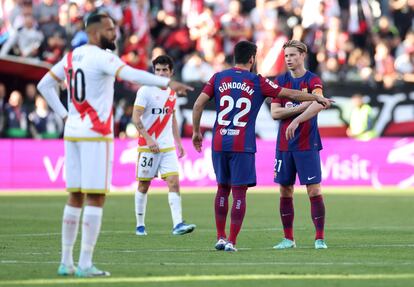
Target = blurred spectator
(259,15)
(361,120)
(79,37)
(359,66)
(2,107)
(359,22)
(46,14)
(135,52)
(44,123)
(125,123)
(16,125)
(54,47)
(196,69)
(27,38)
(137,21)
(205,33)
(235,27)
(387,33)
(403,15)
(270,56)
(404,64)
(384,66)
(29,98)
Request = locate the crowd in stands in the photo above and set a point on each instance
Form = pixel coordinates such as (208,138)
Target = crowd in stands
(370,41)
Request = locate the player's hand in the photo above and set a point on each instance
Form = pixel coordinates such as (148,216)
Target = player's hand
(180,88)
(153,145)
(181,151)
(326,103)
(197,141)
(290,131)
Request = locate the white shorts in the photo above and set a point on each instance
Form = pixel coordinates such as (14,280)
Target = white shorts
(88,166)
(150,164)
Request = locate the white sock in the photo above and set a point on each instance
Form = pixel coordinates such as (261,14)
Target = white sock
(91,225)
(174,199)
(140,207)
(70,224)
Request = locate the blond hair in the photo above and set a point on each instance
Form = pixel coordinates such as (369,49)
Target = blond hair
(302,48)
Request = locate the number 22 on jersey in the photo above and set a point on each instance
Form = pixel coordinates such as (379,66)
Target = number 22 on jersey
(243,104)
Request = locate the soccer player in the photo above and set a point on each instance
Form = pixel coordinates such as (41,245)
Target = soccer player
(298,144)
(154,117)
(90,72)
(238,95)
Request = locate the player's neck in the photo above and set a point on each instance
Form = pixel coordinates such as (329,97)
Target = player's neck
(243,67)
(297,73)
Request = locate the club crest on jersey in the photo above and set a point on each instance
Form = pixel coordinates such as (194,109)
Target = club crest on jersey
(171,97)
(229,132)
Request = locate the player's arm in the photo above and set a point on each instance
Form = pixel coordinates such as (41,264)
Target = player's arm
(280,113)
(128,73)
(198,109)
(136,119)
(299,96)
(48,87)
(309,113)
(177,137)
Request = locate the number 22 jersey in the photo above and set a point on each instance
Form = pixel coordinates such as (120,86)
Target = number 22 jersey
(238,96)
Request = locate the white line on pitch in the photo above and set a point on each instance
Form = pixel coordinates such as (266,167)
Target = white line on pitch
(284,263)
(201,278)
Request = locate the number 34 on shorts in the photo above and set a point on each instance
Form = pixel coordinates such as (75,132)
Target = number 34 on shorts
(150,164)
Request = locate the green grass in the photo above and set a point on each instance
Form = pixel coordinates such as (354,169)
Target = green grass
(370,237)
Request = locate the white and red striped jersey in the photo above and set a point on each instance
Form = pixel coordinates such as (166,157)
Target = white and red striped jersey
(158,105)
(90,75)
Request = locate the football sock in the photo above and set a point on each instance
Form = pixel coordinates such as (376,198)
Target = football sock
(318,215)
(287,214)
(238,211)
(140,207)
(70,224)
(221,207)
(174,199)
(91,225)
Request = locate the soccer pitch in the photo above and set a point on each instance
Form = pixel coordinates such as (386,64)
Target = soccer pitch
(370,235)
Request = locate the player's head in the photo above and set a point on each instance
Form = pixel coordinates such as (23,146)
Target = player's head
(163,66)
(295,53)
(245,53)
(101,31)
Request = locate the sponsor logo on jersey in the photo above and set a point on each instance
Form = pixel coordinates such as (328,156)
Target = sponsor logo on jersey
(291,104)
(162,111)
(229,132)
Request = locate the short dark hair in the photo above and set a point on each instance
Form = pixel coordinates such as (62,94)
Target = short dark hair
(243,51)
(96,18)
(163,60)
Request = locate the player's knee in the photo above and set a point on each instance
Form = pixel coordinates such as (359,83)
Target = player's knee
(314,190)
(173,186)
(286,190)
(95,199)
(76,199)
(143,186)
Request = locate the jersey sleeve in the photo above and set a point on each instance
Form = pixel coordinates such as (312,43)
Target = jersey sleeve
(269,88)
(109,63)
(315,83)
(58,70)
(141,98)
(209,87)
(277,100)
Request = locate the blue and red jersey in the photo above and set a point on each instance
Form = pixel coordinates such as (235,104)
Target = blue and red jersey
(307,134)
(238,96)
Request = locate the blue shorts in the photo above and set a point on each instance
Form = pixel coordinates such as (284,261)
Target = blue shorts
(234,168)
(307,164)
